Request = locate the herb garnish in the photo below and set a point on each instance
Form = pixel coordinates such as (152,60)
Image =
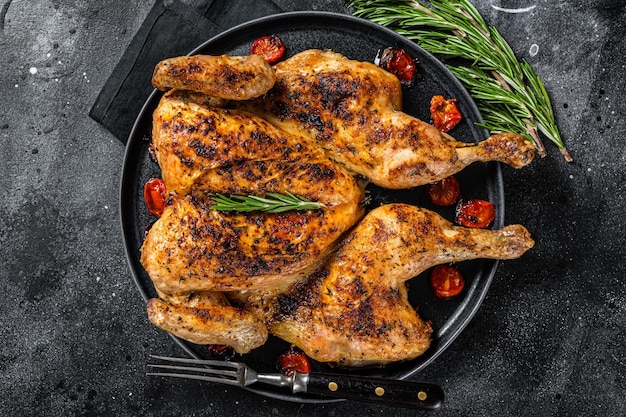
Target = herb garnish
(508,93)
(271,203)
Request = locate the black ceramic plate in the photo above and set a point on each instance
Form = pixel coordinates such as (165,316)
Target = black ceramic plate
(361,40)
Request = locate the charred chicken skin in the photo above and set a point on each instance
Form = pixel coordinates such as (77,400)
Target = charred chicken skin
(306,126)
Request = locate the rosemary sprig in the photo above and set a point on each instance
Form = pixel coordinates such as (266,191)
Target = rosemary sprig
(271,203)
(508,93)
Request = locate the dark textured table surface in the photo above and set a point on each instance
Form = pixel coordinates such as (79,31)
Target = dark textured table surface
(549,339)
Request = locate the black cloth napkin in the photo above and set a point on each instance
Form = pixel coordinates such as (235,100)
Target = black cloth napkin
(173,28)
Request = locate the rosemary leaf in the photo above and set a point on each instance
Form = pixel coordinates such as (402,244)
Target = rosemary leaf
(271,203)
(507,92)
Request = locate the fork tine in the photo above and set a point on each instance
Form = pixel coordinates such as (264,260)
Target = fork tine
(228,373)
(211,370)
(209,362)
(196,377)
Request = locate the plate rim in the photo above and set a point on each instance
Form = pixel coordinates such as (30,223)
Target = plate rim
(494,168)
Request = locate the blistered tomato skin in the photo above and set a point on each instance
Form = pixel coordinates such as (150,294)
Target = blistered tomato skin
(270,47)
(155,194)
(445,192)
(293,360)
(446,281)
(398,62)
(475,213)
(445,113)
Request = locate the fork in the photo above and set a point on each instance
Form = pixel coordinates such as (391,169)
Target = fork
(410,394)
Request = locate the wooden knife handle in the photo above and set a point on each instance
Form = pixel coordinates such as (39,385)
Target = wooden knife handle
(382,391)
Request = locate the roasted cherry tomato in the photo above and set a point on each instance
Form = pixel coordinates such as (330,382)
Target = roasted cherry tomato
(445,113)
(221,352)
(444,192)
(271,47)
(398,62)
(475,213)
(446,281)
(293,360)
(154,194)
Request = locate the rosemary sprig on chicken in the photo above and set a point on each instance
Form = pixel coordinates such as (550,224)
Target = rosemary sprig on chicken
(271,203)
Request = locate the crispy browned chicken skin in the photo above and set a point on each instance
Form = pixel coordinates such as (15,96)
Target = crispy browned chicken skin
(212,322)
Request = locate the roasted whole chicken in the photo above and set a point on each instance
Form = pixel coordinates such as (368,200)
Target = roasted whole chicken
(332,280)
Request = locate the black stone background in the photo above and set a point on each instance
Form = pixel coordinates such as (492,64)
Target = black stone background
(549,339)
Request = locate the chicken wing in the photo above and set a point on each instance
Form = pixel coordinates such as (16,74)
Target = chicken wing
(205,317)
(225,77)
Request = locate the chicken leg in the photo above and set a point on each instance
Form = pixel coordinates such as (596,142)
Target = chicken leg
(354,311)
(353,110)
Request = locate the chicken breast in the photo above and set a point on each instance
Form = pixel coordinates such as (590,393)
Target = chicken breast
(203,151)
